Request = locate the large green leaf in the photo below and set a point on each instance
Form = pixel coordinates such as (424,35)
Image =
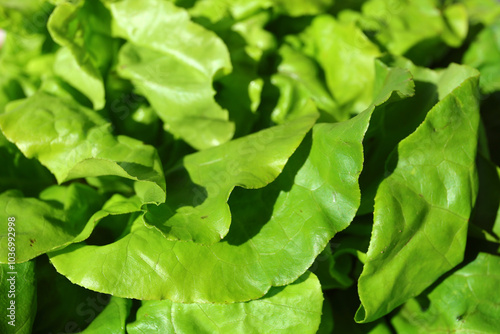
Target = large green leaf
(422,208)
(112,319)
(395,121)
(42,225)
(173,62)
(465,301)
(18,286)
(295,308)
(269,243)
(82,28)
(255,255)
(197,209)
(74,142)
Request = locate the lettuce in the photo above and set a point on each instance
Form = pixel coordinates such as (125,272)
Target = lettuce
(260,166)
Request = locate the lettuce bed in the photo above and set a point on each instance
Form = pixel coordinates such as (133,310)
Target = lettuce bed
(250,166)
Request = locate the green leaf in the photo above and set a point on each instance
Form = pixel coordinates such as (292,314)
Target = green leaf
(82,28)
(22,64)
(484,54)
(269,243)
(482,11)
(197,209)
(25,18)
(465,301)
(43,225)
(175,73)
(344,53)
(112,319)
(420,222)
(74,142)
(419,30)
(18,286)
(298,80)
(295,308)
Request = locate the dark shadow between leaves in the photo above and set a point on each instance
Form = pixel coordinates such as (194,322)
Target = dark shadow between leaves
(426,51)
(61,305)
(183,192)
(490,114)
(237,84)
(252,209)
(488,199)
(391,123)
(111,229)
(345,304)
(284,25)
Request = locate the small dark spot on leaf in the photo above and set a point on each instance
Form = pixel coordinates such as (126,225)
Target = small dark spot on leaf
(421,195)
(203,217)
(459,318)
